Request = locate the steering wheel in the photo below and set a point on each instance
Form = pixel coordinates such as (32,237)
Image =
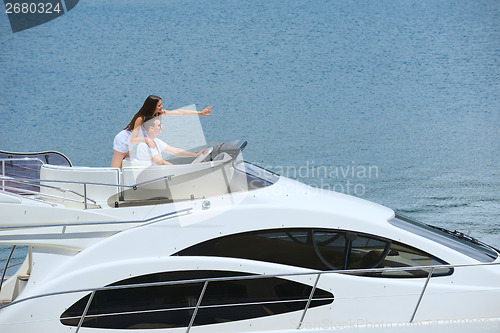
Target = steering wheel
(203,155)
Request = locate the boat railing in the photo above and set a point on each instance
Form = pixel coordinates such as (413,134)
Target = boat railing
(6,266)
(70,224)
(153,219)
(46,195)
(49,157)
(71,193)
(84,196)
(206,281)
(9,160)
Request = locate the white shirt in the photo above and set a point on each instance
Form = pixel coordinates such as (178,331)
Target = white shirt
(146,153)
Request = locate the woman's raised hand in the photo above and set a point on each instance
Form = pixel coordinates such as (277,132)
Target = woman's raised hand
(206,111)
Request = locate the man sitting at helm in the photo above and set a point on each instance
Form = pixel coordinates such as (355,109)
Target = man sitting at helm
(152,152)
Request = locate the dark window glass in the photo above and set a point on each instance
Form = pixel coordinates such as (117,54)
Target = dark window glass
(321,249)
(330,247)
(168,306)
(367,252)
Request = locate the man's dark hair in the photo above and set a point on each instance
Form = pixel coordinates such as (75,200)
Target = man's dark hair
(150,121)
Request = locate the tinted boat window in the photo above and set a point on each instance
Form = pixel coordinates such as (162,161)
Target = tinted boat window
(455,240)
(367,252)
(169,306)
(330,247)
(321,249)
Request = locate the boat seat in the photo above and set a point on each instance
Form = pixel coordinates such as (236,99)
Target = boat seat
(176,182)
(99,193)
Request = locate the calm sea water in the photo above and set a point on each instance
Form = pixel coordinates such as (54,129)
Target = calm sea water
(397,102)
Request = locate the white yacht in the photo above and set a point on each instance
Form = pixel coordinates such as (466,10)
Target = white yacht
(222,245)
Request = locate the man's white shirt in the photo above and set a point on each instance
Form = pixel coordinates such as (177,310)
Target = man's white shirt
(146,153)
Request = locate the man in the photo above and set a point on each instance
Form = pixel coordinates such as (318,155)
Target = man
(153,128)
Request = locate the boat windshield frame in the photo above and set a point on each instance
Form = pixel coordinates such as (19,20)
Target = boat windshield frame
(255,172)
(455,240)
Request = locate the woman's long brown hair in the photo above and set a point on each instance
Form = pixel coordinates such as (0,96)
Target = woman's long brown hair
(147,110)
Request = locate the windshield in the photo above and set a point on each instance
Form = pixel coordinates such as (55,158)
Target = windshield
(452,239)
(257,176)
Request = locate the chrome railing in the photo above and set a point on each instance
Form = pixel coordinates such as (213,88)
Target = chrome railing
(36,183)
(46,195)
(207,281)
(6,266)
(23,159)
(146,221)
(43,183)
(68,224)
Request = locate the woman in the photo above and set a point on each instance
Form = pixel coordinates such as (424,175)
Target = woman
(130,135)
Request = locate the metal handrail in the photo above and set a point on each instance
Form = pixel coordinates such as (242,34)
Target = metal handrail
(6,266)
(13,265)
(422,294)
(28,180)
(70,224)
(85,311)
(37,182)
(169,215)
(26,154)
(26,191)
(309,301)
(193,308)
(248,277)
(3,160)
(205,284)
(33,182)
(253,277)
